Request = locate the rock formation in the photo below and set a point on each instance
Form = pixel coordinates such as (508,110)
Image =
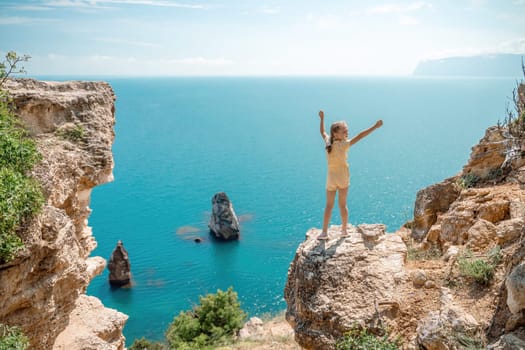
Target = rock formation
(223,222)
(43,288)
(430,202)
(252,328)
(489,154)
(515,284)
(88,330)
(345,281)
(413,282)
(119,267)
(366,279)
(273,334)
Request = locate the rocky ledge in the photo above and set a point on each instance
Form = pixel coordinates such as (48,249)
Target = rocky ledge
(42,291)
(410,282)
(333,285)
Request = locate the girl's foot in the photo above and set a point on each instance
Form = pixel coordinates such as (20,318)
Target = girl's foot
(345,234)
(322,236)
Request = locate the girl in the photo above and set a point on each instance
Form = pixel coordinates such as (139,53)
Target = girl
(338,179)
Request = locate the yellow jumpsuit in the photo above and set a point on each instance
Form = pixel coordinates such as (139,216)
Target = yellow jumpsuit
(338,170)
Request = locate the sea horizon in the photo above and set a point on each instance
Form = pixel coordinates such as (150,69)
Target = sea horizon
(60,77)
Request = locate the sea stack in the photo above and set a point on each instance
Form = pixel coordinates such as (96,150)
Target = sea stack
(223,222)
(119,267)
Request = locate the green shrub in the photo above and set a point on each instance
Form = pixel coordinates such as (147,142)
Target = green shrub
(17,150)
(467,342)
(214,321)
(12,338)
(477,269)
(360,339)
(73,134)
(515,119)
(468,180)
(20,196)
(481,270)
(145,344)
(495,174)
(10,65)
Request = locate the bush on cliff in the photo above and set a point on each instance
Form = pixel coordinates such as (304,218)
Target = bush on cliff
(73,134)
(468,181)
(215,320)
(481,269)
(17,150)
(359,339)
(515,120)
(12,338)
(145,344)
(20,195)
(20,198)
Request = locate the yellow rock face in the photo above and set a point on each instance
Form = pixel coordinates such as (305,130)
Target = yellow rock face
(72,123)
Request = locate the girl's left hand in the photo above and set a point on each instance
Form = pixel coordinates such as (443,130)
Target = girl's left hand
(378,124)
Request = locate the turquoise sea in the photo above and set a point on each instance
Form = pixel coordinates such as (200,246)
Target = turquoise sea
(181,140)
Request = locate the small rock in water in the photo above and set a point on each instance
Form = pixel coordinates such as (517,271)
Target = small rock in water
(119,267)
(223,222)
(197,240)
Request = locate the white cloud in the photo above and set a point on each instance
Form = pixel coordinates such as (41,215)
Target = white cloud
(399,8)
(30,8)
(99,58)
(516,46)
(270,10)
(102,58)
(327,22)
(198,61)
(23,20)
(55,57)
(14,20)
(162,3)
(101,64)
(98,3)
(478,3)
(127,42)
(384,9)
(408,20)
(78,4)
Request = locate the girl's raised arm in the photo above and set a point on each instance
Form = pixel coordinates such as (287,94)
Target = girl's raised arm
(321,126)
(365,133)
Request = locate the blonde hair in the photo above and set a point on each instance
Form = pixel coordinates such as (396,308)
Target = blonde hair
(335,127)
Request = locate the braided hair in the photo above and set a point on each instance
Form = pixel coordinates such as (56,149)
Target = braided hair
(333,129)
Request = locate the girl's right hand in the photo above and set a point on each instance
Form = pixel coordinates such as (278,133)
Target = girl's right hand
(321,114)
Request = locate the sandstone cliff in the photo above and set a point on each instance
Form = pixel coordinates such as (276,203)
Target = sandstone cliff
(410,282)
(42,290)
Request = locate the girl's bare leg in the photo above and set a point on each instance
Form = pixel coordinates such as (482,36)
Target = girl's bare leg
(343,194)
(330,199)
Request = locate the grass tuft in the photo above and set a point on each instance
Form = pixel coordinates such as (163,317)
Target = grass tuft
(12,338)
(479,269)
(359,339)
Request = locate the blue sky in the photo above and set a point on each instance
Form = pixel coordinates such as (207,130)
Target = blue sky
(243,37)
